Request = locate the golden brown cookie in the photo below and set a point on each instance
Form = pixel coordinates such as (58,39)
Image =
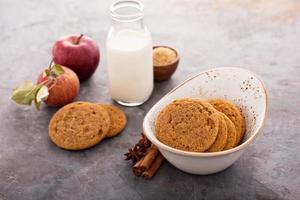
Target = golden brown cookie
(188,124)
(118,120)
(79,125)
(231,133)
(233,113)
(221,139)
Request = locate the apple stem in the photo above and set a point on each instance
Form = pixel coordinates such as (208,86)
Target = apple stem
(49,83)
(50,64)
(52,84)
(78,39)
(45,82)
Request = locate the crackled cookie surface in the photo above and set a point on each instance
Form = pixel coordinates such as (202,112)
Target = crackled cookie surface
(231,133)
(117,118)
(188,124)
(79,125)
(221,139)
(233,113)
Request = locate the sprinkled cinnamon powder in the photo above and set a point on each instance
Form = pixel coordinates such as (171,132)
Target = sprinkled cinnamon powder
(163,56)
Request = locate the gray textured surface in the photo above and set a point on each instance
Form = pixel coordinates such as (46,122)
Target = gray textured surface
(262,36)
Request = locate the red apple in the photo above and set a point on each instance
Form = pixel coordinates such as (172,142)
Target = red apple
(79,53)
(62,89)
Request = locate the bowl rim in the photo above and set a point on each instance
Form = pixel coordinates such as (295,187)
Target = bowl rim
(170,64)
(242,146)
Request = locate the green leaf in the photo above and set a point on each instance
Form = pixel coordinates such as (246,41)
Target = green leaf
(41,94)
(37,104)
(46,73)
(24,94)
(57,70)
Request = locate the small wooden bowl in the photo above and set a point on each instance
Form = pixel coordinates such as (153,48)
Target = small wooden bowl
(164,72)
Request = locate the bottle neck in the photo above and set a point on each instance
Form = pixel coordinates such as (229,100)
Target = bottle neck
(136,25)
(127,14)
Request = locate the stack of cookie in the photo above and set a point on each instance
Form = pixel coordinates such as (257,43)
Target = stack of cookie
(200,126)
(81,125)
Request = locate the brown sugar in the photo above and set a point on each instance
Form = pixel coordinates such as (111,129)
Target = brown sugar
(163,56)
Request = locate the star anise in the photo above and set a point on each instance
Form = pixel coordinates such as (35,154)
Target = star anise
(139,150)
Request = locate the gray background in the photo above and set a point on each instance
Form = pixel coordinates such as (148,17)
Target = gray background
(262,36)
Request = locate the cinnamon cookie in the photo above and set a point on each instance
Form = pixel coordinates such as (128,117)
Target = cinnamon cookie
(233,113)
(117,118)
(188,124)
(79,125)
(221,139)
(231,133)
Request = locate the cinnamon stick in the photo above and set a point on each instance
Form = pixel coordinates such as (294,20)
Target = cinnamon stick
(149,158)
(136,168)
(145,163)
(148,174)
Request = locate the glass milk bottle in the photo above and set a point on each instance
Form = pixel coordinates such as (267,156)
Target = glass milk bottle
(129,55)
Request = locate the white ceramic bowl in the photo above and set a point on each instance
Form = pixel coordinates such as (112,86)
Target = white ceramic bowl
(236,84)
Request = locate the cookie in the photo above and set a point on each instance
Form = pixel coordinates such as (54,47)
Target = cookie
(221,139)
(233,113)
(231,133)
(188,124)
(79,125)
(117,118)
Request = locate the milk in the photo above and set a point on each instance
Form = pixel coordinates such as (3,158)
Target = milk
(130,66)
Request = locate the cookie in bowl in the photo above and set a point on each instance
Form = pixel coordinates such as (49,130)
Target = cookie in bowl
(233,113)
(221,139)
(198,125)
(188,124)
